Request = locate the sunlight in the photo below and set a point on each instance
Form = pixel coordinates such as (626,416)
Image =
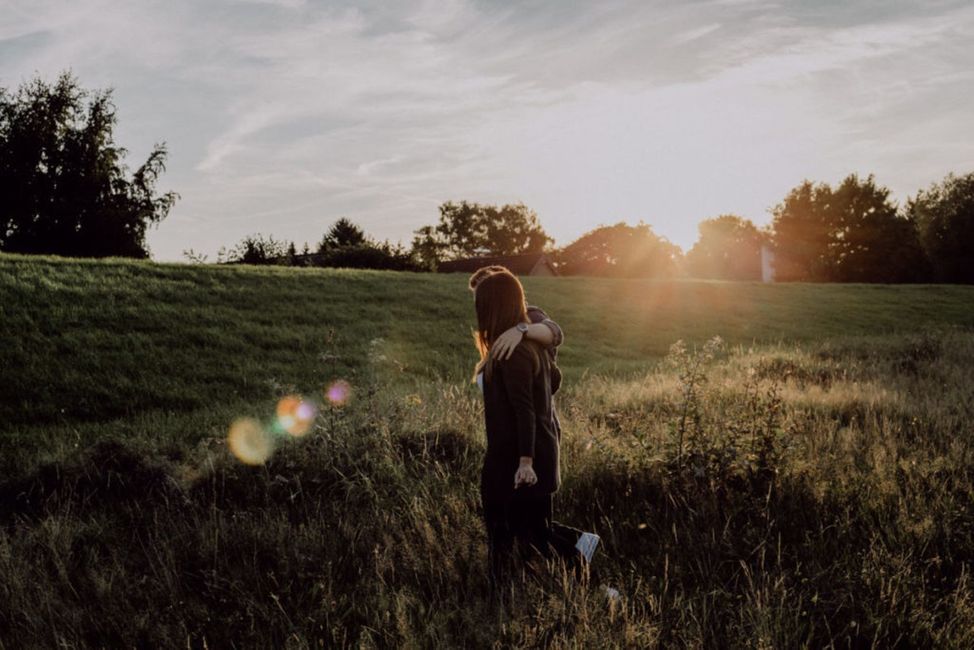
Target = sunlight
(294,415)
(249,441)
(338,392)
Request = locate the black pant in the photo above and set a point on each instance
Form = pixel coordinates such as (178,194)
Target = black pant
(525,519)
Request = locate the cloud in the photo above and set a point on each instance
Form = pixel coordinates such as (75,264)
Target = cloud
(283,115)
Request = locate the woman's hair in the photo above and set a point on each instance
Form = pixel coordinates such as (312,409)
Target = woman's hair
(500,305)
(482,273)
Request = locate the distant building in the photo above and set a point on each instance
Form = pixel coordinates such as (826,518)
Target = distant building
(767,263)
(533,264)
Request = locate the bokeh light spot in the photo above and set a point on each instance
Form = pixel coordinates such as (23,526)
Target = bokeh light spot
(294,415)
(338,392)
(249,442)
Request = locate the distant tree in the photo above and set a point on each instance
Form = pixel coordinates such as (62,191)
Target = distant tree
(384,256)
(66,190)
(342,233)
(620,251)
(427,247)
(291,256)
(944,216)
(851,234)
(194,257)
(801,226)
(471,229)
(729,248)
(870,241)
(256,249)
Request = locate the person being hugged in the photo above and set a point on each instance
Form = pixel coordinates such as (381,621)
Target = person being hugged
(521,469)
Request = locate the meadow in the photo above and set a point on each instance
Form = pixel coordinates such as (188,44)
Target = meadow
(768,465)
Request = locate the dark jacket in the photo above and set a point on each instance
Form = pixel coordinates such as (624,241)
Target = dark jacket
(537,315)
(520,421)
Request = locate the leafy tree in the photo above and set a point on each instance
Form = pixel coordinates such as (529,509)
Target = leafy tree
(944,216)
(370,256)
(472,229)
(427,247)
(343,233)
(851,234)
(256,249)
(801,226)
(66,189)
(729,248)
(620,251)
(870,240)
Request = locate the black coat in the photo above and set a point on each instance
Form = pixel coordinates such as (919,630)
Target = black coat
(520,421)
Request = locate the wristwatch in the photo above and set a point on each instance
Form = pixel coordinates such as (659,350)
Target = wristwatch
(522,328)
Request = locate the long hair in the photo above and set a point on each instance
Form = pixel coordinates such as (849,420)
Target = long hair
(500,305)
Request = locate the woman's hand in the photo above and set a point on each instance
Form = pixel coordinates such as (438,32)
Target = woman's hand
(525,473)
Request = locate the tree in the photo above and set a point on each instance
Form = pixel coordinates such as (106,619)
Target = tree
(66,189)
(472,229)
(944,217)
(870,241)
(619,251)
(343,233)
(427,247)
(369,256)
(851,234)
(729,248)
(256,249)
(801,227)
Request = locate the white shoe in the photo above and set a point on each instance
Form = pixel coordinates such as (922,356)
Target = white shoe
(586,545)
(610,593)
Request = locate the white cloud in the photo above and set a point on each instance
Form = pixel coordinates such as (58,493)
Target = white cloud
(283,115)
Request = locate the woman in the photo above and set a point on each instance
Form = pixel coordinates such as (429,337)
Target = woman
(521,467)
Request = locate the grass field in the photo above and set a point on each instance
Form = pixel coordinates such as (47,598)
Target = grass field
(807,481)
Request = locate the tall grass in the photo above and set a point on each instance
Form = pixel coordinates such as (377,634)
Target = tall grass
(797,493)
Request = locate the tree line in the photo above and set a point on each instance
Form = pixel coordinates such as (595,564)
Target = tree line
(68,192)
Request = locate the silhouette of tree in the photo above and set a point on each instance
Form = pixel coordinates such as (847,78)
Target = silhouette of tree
(729,248)
(369,256)
(256,249)
(801,226)
(944,216)
(619,251)
(343,233)
(471,229)
(851,234)
(66,189)
(870,240)
(427,247)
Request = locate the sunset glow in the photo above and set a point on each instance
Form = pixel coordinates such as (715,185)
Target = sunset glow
(589,113)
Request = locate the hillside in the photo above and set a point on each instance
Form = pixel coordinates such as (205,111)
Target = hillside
(93,346)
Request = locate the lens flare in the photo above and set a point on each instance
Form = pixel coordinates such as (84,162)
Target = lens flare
(249,442)
(294,415)
(338,392)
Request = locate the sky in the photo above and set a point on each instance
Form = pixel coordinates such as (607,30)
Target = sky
(281,116)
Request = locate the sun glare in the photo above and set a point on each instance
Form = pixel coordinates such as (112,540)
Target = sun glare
(249,441)
(338,392)
(294,415)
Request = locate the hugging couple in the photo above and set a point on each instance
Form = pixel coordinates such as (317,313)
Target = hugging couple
(518,375)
